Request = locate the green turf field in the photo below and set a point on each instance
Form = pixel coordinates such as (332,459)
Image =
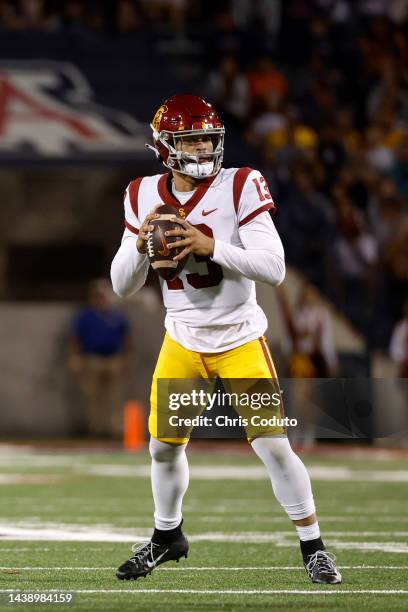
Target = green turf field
(68,519)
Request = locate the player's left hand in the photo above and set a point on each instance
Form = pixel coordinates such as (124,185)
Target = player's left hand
(192,240)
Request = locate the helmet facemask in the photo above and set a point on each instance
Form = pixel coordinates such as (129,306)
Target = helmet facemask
(200,165)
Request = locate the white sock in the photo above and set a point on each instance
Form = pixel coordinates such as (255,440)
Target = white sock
(289,477)
(308,532)
(169,475)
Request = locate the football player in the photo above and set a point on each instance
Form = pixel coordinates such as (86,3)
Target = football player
(214,326)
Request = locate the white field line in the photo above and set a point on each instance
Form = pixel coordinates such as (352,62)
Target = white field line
(37,526)
(86,533)
(51,460)
(214,472)
(265,519)
(328,533)
(25,549)
(279,540)
(284,568)
(202,472)
(309,592)
(64,535)
(33,454)
(145,523)
(49,529)
(210,472)
(385,547)
(6,479)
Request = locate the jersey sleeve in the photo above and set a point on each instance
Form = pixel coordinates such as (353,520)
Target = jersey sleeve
(251,195)
(261,259)
(131,205)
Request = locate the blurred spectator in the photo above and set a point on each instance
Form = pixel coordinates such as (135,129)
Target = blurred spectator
(265,79)
(349,136)
(387,220)
(378,155)
(353,181)
(321,40)
(377,41)
(295,34)
(399,344)
(167,12)
(8,16)
(128,19)
(386,213)
(398,10)
(227,88)
(331,152)
(309,340)
(287,140)
(25,15)
(309,347)
(398,350)
(373,8)
(271,124)
(356,246)
(306,221)
(386,96)
(259,13)
(338,10)
(396,269)
(399,171)
(99,348)
(96,16)
(73,13)
(355,255)
(34,13)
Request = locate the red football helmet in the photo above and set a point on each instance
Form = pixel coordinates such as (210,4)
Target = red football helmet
(187,115)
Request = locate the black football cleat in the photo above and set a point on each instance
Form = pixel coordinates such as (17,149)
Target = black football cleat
(321,568)
(149,555)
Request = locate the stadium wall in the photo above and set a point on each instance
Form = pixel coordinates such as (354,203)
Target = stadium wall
(38,396)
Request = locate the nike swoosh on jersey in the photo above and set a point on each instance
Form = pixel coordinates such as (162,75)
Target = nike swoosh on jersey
(208,212)
(153,563)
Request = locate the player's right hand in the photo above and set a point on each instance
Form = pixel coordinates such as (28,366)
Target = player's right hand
(144,231)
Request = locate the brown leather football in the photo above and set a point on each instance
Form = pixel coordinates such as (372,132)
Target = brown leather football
(160,256)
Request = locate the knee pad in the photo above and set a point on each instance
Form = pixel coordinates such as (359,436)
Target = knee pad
(278,448)
(289,477)
(164,452)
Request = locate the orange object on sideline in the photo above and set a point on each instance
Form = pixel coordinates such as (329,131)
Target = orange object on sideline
(133,430)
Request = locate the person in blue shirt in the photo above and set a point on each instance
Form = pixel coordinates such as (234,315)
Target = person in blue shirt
(99,348)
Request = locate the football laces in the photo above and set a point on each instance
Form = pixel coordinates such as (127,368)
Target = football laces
(150,248)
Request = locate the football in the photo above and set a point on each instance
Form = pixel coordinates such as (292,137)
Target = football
(160,256)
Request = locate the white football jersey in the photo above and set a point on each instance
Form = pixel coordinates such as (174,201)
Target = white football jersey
(209,308)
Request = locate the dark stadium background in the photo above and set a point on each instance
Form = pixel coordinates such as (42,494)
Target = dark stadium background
(314,94)
(323,114)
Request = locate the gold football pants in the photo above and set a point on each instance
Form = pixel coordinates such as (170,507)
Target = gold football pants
(251,360)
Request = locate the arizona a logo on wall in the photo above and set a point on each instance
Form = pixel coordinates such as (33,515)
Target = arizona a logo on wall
(46,110)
